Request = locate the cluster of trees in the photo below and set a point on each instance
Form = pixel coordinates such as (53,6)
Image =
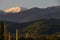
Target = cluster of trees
(48,26)
(42,38)
(36,28)
(44,27)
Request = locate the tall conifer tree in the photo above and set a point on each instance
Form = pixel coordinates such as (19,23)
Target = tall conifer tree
(1,30)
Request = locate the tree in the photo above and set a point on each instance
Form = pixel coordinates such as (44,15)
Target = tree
(1,30)
(32,28)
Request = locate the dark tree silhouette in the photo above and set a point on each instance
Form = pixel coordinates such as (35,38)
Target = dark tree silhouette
(1,30)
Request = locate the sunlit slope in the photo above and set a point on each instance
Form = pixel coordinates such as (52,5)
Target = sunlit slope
(13,9)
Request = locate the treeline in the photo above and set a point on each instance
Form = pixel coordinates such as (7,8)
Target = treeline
(42,38)
(43,27)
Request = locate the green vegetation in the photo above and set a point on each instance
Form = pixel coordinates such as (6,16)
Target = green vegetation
(34,30)
(44,27)
(35,27)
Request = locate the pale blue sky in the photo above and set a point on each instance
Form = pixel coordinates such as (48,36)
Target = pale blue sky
(28,3)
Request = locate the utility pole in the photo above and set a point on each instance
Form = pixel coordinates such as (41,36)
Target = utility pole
(16,34)
(26,35)
(9,36)
(5,32)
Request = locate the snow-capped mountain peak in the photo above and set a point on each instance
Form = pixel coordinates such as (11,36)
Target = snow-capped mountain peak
(13,9)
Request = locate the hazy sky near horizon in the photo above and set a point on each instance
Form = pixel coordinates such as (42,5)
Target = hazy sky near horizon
(28,3)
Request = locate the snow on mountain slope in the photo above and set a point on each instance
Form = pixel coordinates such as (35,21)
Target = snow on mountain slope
(13,9)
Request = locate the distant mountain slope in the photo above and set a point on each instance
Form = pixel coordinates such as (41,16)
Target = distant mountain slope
(2,12)
(32,14)
(44,27)
(23,9)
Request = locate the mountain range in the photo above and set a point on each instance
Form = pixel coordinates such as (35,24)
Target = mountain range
(32,14)
(49,18)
